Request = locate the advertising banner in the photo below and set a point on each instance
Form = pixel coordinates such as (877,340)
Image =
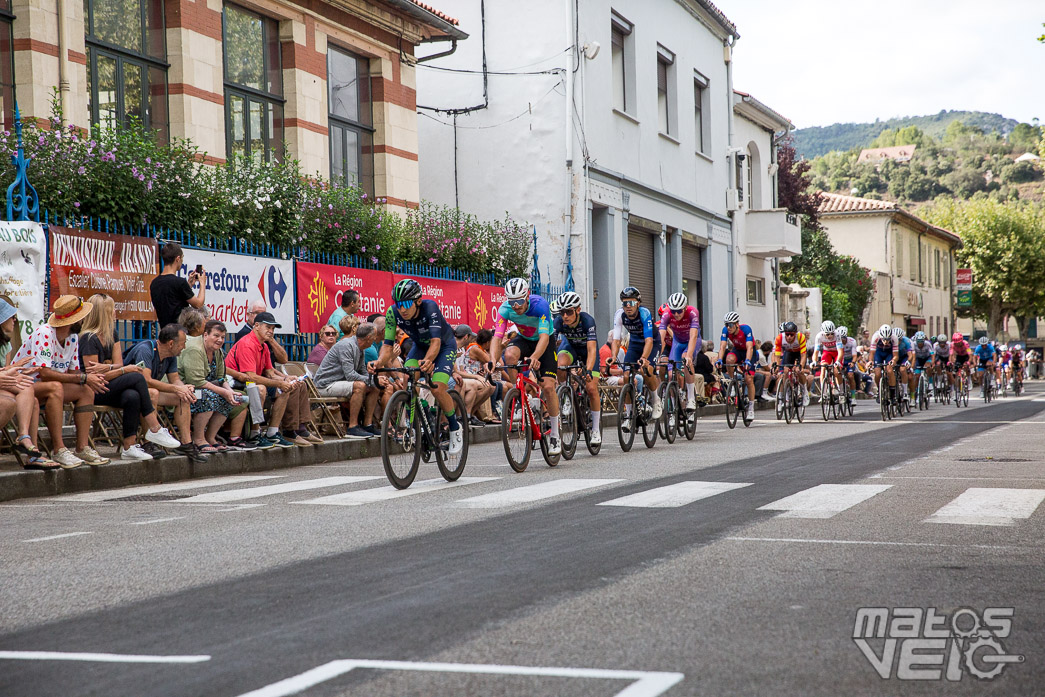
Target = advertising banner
(23,268)
(121,266)
(452,296)
(483,304)
(319,289)
(963,279)
(964,298)
(236,280)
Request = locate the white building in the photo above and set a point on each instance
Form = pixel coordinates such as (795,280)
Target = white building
(640,179)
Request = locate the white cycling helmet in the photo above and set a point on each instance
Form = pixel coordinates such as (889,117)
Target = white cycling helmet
(828,327)
(885,330)
(983,341)
(732,318)
(942,339)
(920,336)
(842,332)
(898,332)
(517,288)
(678,301)
(554,307)
(568,300)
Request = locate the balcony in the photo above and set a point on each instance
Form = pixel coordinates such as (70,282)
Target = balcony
(772,233)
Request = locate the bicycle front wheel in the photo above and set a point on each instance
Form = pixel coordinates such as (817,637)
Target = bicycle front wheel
(626,417)
(673,413)
(401,439)
(787,395)
(732,399)
(568,421)
(451,465)
(515,430)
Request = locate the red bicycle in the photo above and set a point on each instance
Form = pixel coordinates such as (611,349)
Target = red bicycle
(524,420)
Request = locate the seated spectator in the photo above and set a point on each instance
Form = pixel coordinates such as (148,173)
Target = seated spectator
(11,340)
(704,372)
(474,388)
(327,338)
(53,348)
(202,365)
(349,306)
(278,353)
(344,373)
(385,383)
(348,326)
(250,361)
(128,390)
(159,358)
(372,352)
(763,374)
(17,397)
(480,351)
(192,320)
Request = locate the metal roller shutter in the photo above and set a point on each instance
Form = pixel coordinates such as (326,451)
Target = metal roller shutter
(691,262)
(640,265)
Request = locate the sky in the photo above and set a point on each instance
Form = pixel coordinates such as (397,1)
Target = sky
(820,62)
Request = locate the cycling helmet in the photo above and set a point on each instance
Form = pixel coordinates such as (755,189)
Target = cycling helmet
(781,327)
(678,301)
(983,341)
(569,300)
(631,293)
(885,330)
(732,318)
(842,332)
(407,289)
(898,332)
(788,327)
(942,339)
(517,288)
(553,306)
(920,336)
(957,337)
(828,327)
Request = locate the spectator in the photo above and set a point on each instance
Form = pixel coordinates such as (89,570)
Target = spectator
(480,351)
(17,397)
(202,365)
(171,293)
(327,338)
(344,373)
(865,339)
(372,352)
(349,306)
(128,390)
(474,388)
(704,371)
(11,338)
(53,348)
(279,354)
(348,325)
(160,360)
(193,321)
(763,373)
(251,357)
(864,381)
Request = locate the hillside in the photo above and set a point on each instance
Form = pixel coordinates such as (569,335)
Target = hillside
(818,140)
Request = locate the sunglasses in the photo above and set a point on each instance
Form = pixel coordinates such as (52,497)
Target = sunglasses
(629,303)
(329,333)
(518,303)
(403,304)
(678,312)
(790,334)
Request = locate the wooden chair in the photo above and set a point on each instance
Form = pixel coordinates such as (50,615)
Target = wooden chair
(329,407)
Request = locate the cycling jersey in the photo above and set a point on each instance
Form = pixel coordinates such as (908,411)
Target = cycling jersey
(924,351)
(960,348)
(985,353)
(426,325)
(885,347)
(905,349)
(827,345)
(796,345)
(578,335)
(530,324)
(848,346)
(681,326)
(1006,357)
(639,327)
(739,340)
(942,351)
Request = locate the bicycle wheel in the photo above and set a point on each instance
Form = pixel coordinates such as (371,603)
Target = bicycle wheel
(742,408)
(966,389)
(800,405)
(780,406)
(593,449)
(787,396)
(883,397)
(400,440)
(451,466)
(649,425)
(825,399)
(516,435)
(568,420)
(626,417)
(837,403)
(662,423)
(674,412)
(732,396)
(689,423)
(552,460)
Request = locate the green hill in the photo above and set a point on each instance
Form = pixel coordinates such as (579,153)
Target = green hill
(818,140)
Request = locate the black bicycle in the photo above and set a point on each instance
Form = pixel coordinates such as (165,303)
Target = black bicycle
(414,428)
(676,420)
(635,410)
(575,412)
(734,390)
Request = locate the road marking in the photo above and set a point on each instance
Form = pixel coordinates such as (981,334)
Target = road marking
(534,492)
(646,683)
(57,537)
(975,479)
(674,495)
(273,489)
(158,520)
(99,657)
(94,496)
(824,500)
(989,506)
(881,543)
(387,493)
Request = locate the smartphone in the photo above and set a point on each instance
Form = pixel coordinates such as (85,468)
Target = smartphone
(140,364)
(199,269)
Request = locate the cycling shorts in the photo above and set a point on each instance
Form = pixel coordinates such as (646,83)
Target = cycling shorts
(548,363)
(940,359)
(829,357)
(635,349)
(577,355)
(444,362)
(959,360)
(919,363)
(982,365)
(790,358)
(883,355)
(848,364)
(677,350)
(741,358)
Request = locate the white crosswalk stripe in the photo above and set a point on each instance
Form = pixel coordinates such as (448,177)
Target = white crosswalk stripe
(989,506)
(388,493)
(533,492)
(109,495)
(674,495)
(824,500)
(274,489)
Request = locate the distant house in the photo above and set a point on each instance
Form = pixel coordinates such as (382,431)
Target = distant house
(897,153)
(1028,157)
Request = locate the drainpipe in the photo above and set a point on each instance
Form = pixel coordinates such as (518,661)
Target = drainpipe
(571,62)
(731,161)
(63,55)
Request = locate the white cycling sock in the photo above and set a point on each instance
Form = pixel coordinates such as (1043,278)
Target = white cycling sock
(689,390)
(596,420)
(554,430)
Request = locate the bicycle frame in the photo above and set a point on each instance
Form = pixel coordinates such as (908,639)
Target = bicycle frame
(522,381)
(415,380)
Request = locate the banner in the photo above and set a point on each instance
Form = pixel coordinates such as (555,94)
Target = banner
(121,266)
(23,268)
(483,305)
(963,279)
(319,289)
(452,296)
(234,281)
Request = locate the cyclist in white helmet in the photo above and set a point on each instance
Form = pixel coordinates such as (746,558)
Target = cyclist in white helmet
(826,353)
(682,320)
(580,343)
(737,347)
(886,355)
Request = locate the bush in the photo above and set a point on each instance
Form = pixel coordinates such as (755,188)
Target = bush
(445,236)
(1018,173)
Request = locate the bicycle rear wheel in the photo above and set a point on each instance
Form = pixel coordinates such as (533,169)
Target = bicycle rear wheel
(568,420)
(883,397)
(787,396)
(626,417)
(516,435)
(401,440)
(800,404)
(662,423)
(674,412)
(825,399)
(649,426)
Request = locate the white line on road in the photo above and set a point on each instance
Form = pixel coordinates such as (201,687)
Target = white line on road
(158,520)
(975,479)
(273,489)
(94,496)
(989,506)
(57,537)
(870,542)
(824,500)
(674,495)
(387,493)
(534,492)
(99,657)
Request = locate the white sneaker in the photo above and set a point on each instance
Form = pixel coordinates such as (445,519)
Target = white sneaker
(91,456)
(553,446)
(456,440)
(750,412)
(768,397)
(66,459)
(658,409)
(691,405)
(596,438)
(134,452)
(162,438)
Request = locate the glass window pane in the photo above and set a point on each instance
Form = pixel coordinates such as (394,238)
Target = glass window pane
(7,100)
(105,91)
(119,22)
(275,132)
(337,157)
(237,125)
(343,85)
(155,44)
(256,145)
(366,163)
(275,64)
(366,115)
(244,49)
(133,77)
(618,70)
(157,112)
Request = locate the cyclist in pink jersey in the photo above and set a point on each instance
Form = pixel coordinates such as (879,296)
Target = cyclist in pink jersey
(682,320)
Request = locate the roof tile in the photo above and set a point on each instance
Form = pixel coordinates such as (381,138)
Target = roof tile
(437,13)
(840,203)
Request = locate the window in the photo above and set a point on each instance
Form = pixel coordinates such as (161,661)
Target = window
(253,85)
(622,63)
(351,120)
(899,253)
(756,291)
(937,268)
(7,66)
(126,63)
(912,261)
(699,95)
(666,115)
(750,181)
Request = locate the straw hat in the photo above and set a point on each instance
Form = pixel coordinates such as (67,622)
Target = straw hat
(68,309)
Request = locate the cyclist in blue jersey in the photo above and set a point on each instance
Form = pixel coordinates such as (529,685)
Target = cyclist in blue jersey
(580,343)
(532,317)
(983,358)
(905,352)
(643,341)
(738,345)
(434,349)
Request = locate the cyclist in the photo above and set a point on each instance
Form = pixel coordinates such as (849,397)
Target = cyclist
(847,348)
(923,355)
(983,358)
(789,350)
(886,354)
(682,321)
(941,357)
(580,344)
(1016,364)
(826,353)
(961,353)
(434,346)
(906,350)
(532,317)
(738,344)
(643,340)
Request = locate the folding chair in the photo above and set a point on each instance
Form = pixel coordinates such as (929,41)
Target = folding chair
(329,407)
(9,441)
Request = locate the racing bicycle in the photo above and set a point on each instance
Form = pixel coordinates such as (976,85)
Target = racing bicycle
(524,420)
(575,411)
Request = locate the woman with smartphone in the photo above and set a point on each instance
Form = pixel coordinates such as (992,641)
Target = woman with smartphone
(128,390)
(202,365)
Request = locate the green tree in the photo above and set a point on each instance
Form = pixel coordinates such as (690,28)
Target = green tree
(1025,137)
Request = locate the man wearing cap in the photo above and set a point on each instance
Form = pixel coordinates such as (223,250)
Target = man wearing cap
(250,361)
(54,349)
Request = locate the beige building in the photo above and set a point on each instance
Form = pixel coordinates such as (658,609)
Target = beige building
(333,79)
(911,261)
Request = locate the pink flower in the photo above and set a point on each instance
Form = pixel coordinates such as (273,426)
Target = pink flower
(76,204)
(357,236)
(431,260)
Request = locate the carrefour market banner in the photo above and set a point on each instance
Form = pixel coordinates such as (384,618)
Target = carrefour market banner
(121,266)
(236,280)
(320,286)
(23,268)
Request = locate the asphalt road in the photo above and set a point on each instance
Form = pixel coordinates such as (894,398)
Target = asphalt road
(547,596)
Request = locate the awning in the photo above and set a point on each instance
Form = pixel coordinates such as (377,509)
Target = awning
(915,321)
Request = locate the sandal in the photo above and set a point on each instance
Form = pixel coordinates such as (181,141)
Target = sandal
(40,463)
(220,447)
(207,449)
(492,422)
(31,450)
